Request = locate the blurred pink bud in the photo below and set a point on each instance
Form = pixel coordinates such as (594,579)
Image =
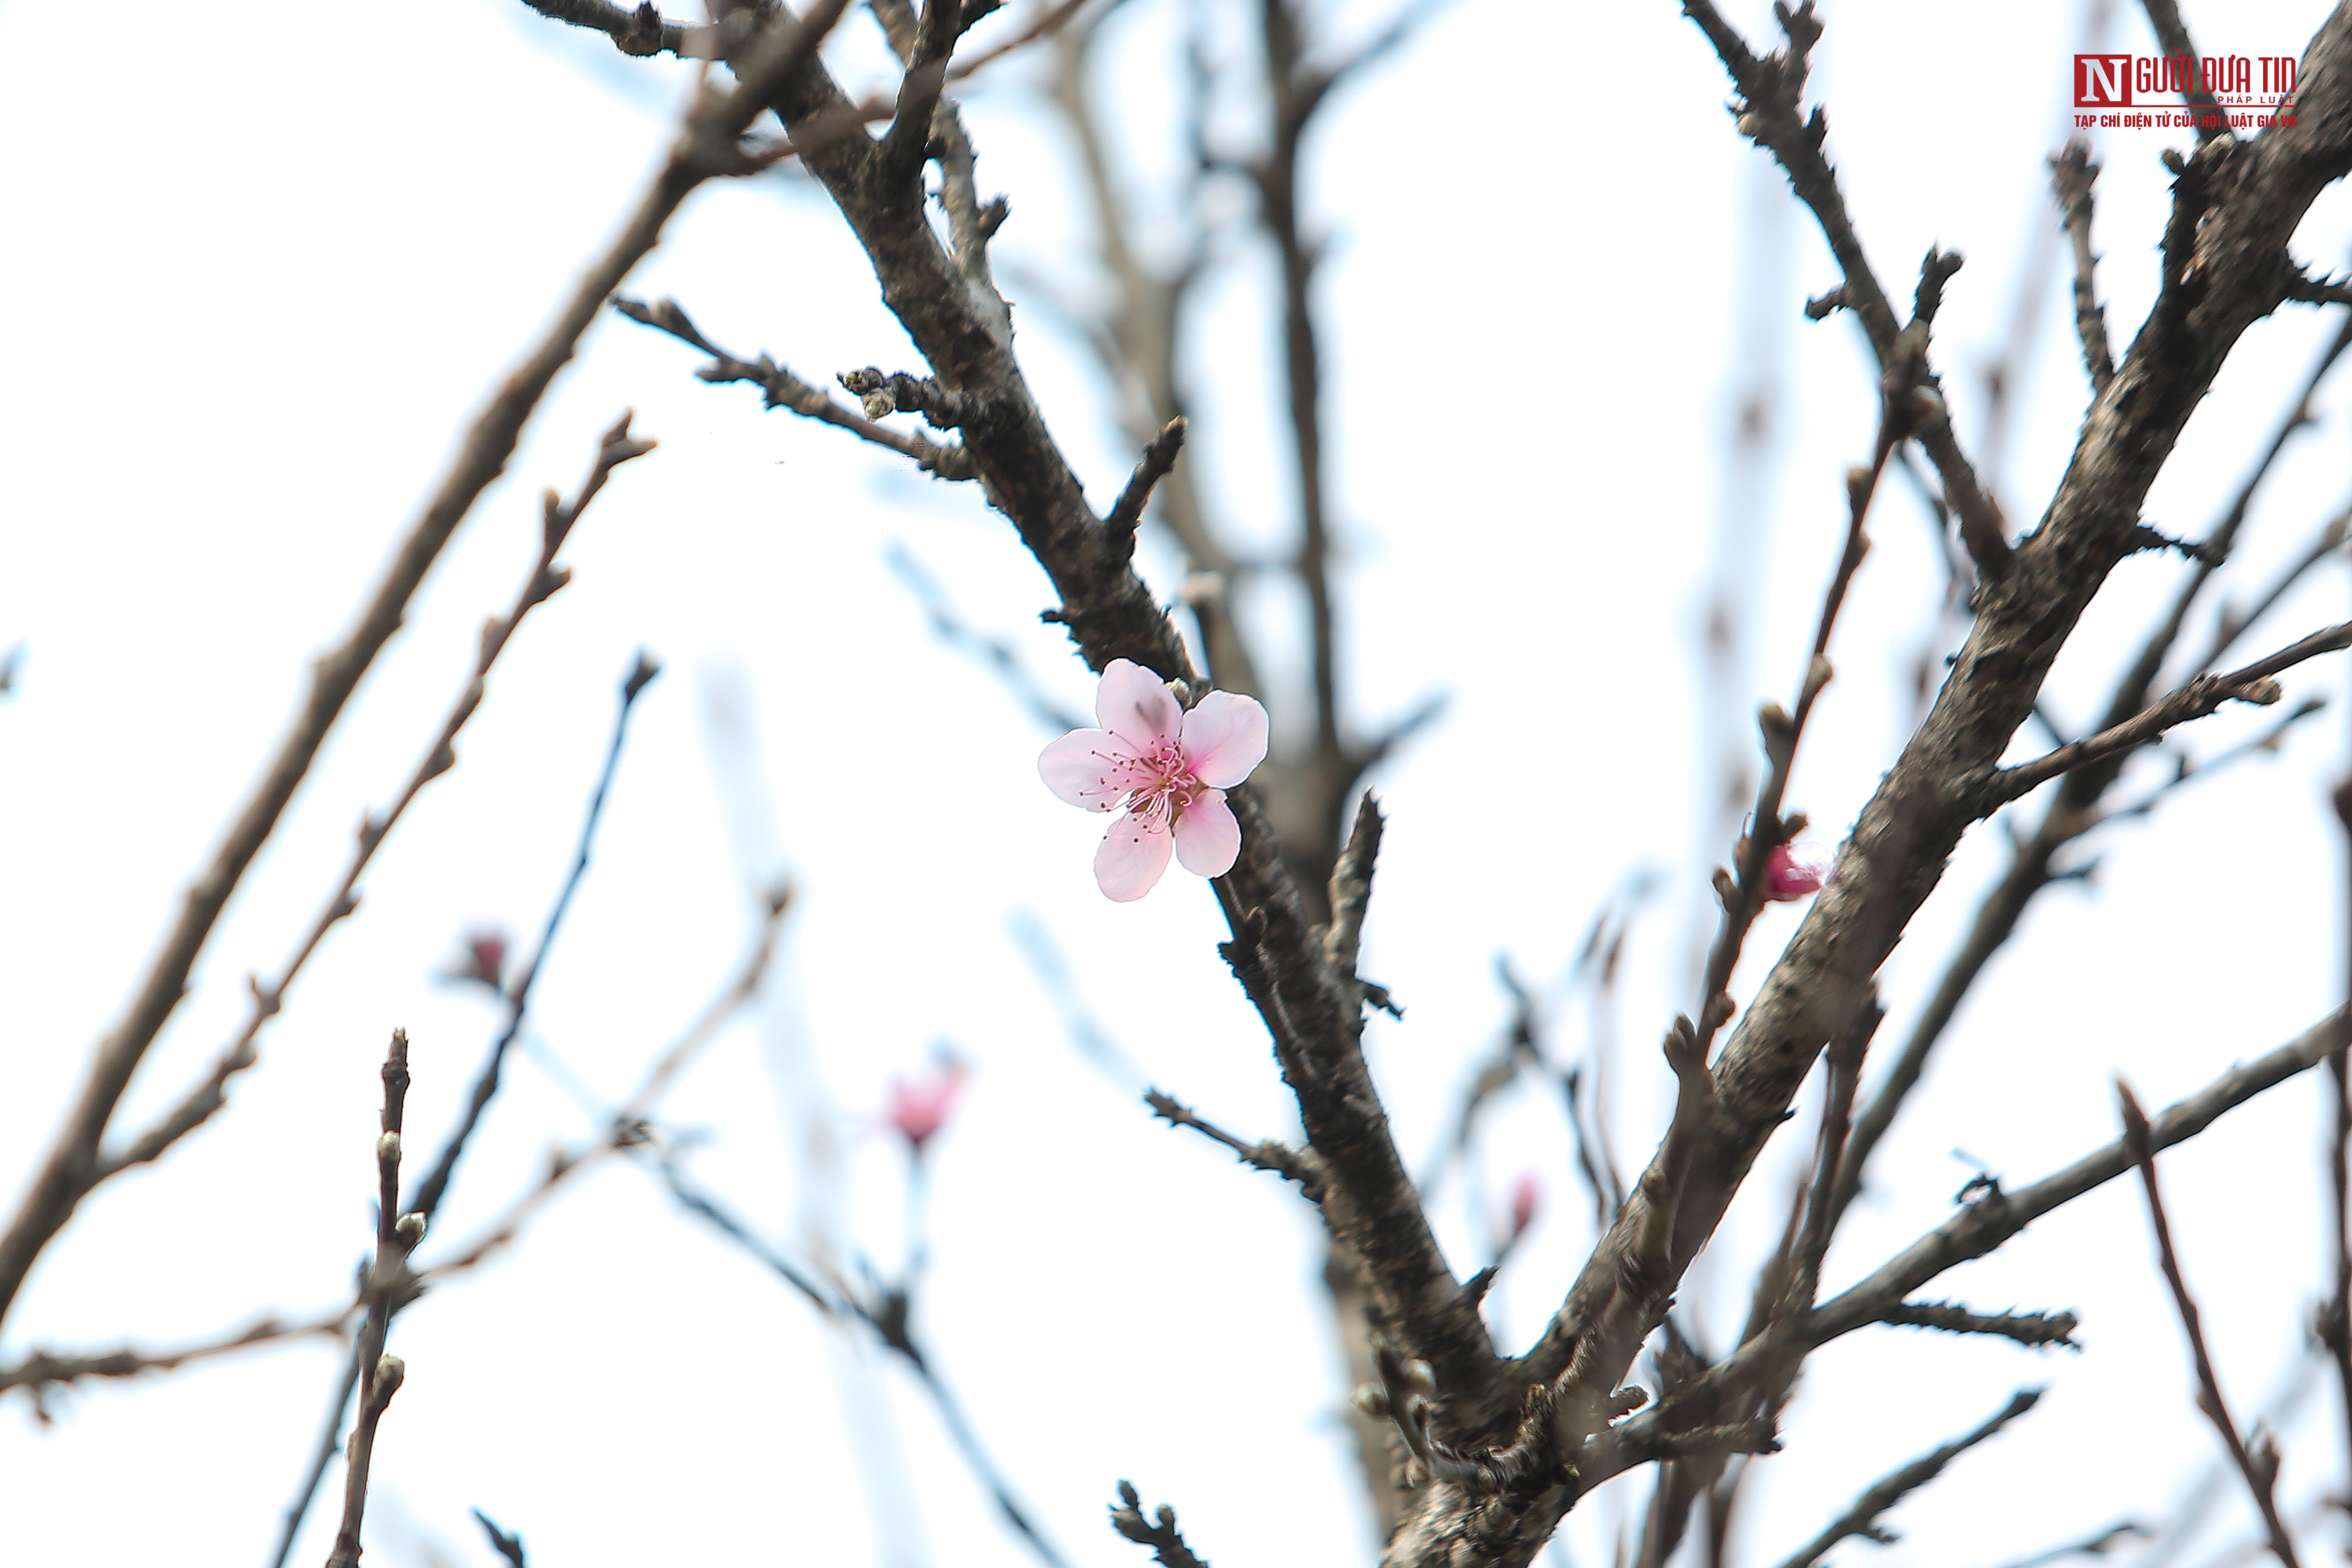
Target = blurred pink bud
(1527,1194)
(1788,877)
(1166,769)
(919,1106)
(482,958)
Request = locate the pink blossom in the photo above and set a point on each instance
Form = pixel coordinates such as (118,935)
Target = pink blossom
(919,1106)
(1787,878)
(1167,769)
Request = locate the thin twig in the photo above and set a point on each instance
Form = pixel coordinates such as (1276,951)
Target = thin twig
(1159,1533)
(2257,1462)
(889,1323)
(625,1129)
(705,149)
(39,1370)
(2199,697)
(543,580)
(782,389)
(486,1087)
(2187,770)
(1126,512)
(1293,1164)
(2025,1328)
(388,1283)
(1844,1072)
(2334,1319)
(1861,1519)
(322,1454)
(2073,175)
(1352,890)
(2097,1545)
(1769,113)
(506,1543)
(1743,893)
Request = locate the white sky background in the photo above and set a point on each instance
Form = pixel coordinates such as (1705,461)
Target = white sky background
(263,273)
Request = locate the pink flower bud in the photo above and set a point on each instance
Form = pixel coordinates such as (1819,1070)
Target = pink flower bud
(481,958)
(919,1106)
(1526,1195)
(1787,878)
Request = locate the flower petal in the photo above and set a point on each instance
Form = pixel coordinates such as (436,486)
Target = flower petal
(1137,706)
(1225,738)
(1208,838)
(1133,855)
(1087,768)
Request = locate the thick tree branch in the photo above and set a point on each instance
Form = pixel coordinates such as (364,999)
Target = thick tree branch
(2075,807)
(954,322)
(2247,202)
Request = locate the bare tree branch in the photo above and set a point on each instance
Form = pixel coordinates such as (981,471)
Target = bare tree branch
(888,1318)
(2076,805)
(2025,1328)
(1292,1164)
(1160,1533)
(2073,175)
(39,1370)
(1977,1229)
(782,389)
(387,1286)
(429,1192)
(705,148)
(2201,696)
(504,1542)
(544,580)
(1772,91)
(2257,1461)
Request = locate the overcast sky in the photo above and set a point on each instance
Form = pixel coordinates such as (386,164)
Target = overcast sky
(265,266)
